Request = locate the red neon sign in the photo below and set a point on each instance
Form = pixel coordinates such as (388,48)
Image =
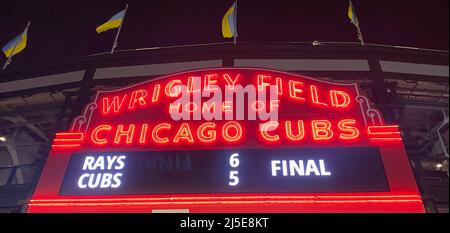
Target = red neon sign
(310,113)
(324,112)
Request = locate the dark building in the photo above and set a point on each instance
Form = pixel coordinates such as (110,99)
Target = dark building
(409,86)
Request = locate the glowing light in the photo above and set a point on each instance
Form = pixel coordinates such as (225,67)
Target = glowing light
(258,105)
(209,107)
(262,82)
(274,105)
(227,106)
(226,131)
(315,96)
(143,136)
(279,83)
(332,200)
(295,90)
(384,133)
(128,134)
(210,80)
(156,91)
(115,104)
(184,133)
(339,99)
(206,132)
(301,125)
(173,88)
(173,109)
(269,126)
(190,107)
(95,134)
(139,97)
(231,82)
(350,132)
(300,129)
(322,130)
(155,133)
(190,85)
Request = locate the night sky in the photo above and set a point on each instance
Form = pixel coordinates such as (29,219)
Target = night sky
(62,29)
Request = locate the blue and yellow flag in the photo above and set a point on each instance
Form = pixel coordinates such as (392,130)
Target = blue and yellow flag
(16,45)
(113,22)
(229,28)
(352,15)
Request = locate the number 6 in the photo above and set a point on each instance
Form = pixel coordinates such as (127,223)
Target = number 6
(234,160)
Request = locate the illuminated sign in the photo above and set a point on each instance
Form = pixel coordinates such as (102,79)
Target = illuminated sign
(225,171)
(154,114)
(238,139)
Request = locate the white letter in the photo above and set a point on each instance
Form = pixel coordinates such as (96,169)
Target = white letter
(88,161)
(81,185)
(116,180)
(311,166)
(106,180)
(91,183)
(110,161)
(322,169)
(296,168)
(284,164)
(100,163)
(120,162)
(275,167)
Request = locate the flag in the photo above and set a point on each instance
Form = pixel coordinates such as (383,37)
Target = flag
(16,45)
(354,20)
(229,29)
(352,15)
(113,22)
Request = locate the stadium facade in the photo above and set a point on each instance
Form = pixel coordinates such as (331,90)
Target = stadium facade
(408,85)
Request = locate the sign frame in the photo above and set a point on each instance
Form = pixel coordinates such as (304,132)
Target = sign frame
(403,194)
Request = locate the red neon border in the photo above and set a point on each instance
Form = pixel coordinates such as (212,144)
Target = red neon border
(404,196)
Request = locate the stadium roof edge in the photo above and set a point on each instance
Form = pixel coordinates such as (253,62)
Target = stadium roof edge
(221,49)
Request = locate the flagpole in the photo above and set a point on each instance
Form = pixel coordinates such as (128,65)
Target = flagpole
(118,30)
(8,61)
(235,25)
(360,37)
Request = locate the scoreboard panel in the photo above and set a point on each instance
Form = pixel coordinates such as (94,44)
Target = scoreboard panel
(225,171)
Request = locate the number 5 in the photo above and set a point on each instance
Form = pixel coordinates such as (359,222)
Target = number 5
(234,179)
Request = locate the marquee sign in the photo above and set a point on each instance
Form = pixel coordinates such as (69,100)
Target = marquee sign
(229,139)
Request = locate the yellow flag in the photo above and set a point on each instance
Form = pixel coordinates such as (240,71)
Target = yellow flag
(351,14)
(16,45)
(229,29)
(113,22)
